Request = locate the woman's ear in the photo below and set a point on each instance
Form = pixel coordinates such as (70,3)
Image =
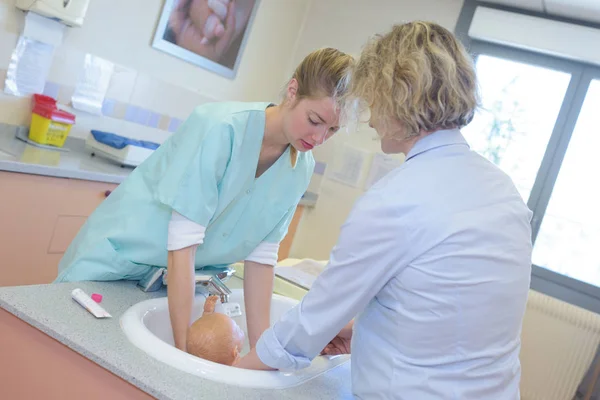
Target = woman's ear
(292,91)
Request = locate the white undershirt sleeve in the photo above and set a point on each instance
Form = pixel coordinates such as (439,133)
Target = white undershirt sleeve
(265,253)
(184,232)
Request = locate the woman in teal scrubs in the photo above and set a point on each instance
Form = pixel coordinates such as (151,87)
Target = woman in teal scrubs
(222,189)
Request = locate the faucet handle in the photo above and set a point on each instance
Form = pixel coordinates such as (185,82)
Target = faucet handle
(216,286)
(224,298)
(226,274)
(212,282)
(199,278)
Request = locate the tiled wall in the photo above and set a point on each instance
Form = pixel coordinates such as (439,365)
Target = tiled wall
(136,104)
(135,97)
(132,96)
(120,106)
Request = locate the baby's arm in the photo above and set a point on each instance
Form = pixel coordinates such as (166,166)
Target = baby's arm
(210,304)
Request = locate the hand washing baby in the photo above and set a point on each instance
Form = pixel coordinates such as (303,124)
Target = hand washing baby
(215,336)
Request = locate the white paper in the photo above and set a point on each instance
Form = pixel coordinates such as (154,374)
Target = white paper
(28,68)
(382,164)
(92,85)
(302,274)
(348,165)
(232,310)
(43,29)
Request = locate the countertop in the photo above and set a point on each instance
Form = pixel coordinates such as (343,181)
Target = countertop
(50,309)
(76,163)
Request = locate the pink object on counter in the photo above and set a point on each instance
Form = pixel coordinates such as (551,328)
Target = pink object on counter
(96,297)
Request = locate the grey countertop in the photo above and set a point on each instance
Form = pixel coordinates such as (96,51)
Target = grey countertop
(76,163)
(50,309)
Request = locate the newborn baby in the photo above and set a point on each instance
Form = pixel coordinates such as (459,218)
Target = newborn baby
(215,336)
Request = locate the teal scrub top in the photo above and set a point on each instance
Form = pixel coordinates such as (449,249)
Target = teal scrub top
(205,172)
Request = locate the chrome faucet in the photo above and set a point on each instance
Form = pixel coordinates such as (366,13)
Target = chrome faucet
(213,281)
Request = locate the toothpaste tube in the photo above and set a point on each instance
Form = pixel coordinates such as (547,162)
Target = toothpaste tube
(86,302)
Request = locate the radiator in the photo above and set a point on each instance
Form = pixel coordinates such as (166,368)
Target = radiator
(559,342)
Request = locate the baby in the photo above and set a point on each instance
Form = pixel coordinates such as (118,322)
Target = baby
(215,336)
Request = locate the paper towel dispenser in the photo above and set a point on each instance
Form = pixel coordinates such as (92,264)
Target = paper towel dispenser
(69,12)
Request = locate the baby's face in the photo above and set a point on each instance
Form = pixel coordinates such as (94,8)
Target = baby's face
(215,336)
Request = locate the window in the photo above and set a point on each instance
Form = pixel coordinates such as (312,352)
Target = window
(520,104)
(569,238)
(538,124)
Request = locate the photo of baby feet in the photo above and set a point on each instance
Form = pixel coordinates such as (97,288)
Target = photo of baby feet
(214,27)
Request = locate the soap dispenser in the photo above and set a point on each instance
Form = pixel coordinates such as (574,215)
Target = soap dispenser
(69,12)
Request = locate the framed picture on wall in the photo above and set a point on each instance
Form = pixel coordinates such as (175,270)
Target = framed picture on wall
(208,33)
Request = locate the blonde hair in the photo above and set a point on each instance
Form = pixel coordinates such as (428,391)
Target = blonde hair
(324,73)
(418,75)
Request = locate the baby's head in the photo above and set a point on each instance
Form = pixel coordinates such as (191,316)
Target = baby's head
(215,336)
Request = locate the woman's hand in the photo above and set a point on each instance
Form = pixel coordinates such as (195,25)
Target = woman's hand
(251,361)
(341,344)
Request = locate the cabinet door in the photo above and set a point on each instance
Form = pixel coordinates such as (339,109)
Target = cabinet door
(84,196)
(29,208)
(39,217)
(81,199)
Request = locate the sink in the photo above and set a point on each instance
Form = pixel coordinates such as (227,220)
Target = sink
(148,327)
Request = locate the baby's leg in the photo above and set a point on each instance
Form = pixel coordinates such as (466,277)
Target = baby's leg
(212,29)
(209,304)
(219,7)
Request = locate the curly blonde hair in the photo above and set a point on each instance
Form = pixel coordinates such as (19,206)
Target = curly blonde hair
(418,75)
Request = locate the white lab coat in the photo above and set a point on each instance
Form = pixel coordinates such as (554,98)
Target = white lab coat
(435,259)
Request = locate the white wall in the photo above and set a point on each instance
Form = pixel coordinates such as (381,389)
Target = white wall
(284,31)
(121,31)
(346,25)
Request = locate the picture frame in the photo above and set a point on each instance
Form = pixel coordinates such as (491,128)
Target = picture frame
(181,32)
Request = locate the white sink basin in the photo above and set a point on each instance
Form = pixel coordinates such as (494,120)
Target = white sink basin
(148,327)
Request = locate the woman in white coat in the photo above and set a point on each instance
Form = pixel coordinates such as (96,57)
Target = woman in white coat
(434,260)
